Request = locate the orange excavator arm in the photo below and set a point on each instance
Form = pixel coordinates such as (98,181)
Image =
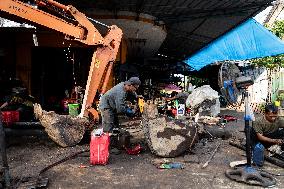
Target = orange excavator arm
(77,27)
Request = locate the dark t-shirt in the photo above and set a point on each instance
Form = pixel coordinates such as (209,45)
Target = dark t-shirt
(262,126)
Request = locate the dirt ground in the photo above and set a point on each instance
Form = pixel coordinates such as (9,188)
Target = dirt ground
(28,155)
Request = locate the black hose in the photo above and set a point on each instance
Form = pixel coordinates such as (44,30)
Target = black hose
(63,160)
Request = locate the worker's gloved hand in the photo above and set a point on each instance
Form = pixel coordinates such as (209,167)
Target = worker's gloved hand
(129,112)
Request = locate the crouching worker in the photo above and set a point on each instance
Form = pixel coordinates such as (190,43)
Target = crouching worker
(267,131)
(113,103)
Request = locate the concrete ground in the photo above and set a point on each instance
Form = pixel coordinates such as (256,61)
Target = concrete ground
(28,155)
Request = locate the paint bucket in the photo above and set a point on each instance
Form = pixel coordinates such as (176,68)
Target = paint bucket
(73,109)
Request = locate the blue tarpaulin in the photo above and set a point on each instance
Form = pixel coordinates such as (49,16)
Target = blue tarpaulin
(248,40)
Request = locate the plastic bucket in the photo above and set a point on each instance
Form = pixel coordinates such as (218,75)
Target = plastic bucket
(73,109)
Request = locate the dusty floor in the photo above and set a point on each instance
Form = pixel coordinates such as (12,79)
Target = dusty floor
(28,155)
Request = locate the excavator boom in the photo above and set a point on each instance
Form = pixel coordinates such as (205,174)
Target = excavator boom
(78,28)
(32,14)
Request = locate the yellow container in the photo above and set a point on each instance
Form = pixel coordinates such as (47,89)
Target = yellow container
(277,103)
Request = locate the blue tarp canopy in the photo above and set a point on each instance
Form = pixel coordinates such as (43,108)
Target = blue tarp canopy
(248,40)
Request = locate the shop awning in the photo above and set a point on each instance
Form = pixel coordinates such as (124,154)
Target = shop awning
(248,40)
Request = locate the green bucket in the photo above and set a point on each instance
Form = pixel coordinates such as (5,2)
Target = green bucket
(73,109)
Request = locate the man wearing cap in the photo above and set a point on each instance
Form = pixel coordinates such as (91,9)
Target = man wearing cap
(268,129)
(267,132)
(113,103)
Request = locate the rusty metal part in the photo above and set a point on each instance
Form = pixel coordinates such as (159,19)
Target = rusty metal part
(211,156)
(5,166)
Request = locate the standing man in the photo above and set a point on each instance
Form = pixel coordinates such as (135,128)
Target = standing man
(112,103)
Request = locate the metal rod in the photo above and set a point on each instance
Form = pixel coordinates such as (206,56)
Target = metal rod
(4,155)
(98,22)
(211,156)
(247,130)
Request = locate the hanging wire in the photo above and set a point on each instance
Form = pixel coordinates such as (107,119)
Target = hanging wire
(73,71)
(70,58)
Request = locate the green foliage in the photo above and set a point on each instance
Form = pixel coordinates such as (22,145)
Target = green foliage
(278,29)
(269,62)
(272,61)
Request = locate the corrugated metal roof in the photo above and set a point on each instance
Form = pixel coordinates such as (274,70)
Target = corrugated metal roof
(190,24)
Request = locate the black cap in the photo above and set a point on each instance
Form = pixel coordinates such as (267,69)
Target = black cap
(133,81)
